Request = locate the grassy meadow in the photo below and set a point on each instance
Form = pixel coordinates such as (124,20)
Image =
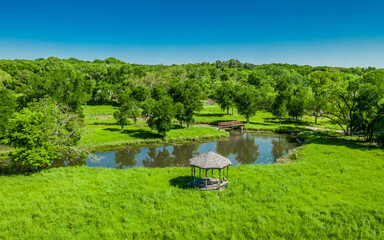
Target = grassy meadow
(334,189)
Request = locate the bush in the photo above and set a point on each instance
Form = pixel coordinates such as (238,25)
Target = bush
(44,132)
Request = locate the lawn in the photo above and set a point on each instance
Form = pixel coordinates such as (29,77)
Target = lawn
(212,114)
(103,137)
(333,190)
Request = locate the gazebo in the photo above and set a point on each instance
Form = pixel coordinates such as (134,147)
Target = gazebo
(209,161)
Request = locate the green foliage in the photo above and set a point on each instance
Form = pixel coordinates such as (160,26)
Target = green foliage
(332,92)
(162,114)
(189,94)
(128,109)
(7,109)
(369,114)
(279,107)
(44,132)
(148,112)
(246,102)
(140,93)
(180,113)
(298,102)
(158,92)
(225,95)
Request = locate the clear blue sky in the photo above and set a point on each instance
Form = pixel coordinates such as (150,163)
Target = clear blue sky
(314,32)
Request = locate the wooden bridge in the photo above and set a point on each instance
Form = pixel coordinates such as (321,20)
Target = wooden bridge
(230,124)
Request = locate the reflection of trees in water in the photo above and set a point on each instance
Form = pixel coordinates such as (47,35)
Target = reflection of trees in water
(243,146)
(70,160)
(281,145)
(158,158)
(163,158)
(126,158)
(183,153)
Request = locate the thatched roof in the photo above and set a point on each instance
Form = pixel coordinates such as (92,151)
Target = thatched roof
(210,160)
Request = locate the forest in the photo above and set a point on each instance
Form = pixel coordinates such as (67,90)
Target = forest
(33,91)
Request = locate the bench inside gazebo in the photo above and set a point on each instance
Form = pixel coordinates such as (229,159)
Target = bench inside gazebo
(212,163)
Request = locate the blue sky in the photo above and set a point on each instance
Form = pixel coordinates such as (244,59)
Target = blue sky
(335,33)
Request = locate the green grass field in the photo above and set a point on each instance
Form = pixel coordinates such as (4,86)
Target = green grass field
(103,137)
(333,190)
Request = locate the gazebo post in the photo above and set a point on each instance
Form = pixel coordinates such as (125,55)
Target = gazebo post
(192,176)
(212,173)
(206,177)
(219,178)
(199,172)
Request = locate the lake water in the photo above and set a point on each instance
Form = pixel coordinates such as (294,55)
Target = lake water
(239,148)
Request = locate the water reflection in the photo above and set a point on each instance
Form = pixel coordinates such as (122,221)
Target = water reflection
(246,148)
(243,145)
(281,146)
(183,153)
(126,158)
(158,158)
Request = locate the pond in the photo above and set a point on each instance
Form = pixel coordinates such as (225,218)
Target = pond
(240,148)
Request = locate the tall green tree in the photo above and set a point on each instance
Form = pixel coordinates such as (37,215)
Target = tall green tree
(319,81)
(189,94)
(279,107)
(298,102)
(162,114)
(369,113)
(148,112)
(246,102)
(341,96)
(225,96)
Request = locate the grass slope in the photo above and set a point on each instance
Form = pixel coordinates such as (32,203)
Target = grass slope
(110,136)
(334,190)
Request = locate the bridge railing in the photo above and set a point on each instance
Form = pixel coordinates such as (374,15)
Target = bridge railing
(224,124)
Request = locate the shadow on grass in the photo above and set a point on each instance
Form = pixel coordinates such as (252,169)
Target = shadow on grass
(287,121)
(181,182)
(331,140)
(137,133)
(213,115)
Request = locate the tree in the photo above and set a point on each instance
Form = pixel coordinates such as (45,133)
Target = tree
(279,107)
(140,93)
(246,102)
(225,96)
(158,92)
(46,131)
(298,102)
(189,94)
(148,107)
(319,80)
(369,113)
(7,110)
(341,94)
(180,113)
(266,96)
(162,114)
(128,109)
